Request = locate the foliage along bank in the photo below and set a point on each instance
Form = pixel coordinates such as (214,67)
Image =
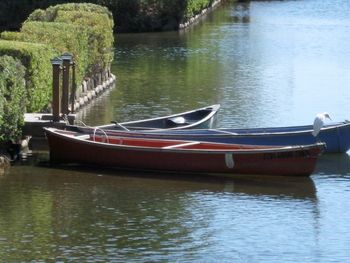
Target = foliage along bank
(130,15)
(85,30)
(12,90)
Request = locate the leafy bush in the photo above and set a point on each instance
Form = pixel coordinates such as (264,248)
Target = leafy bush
(99,28)
(9,35)
(194,7)
(38,74)
(94,22)
(85,30)
(12,98)
(62,37)
(51,11)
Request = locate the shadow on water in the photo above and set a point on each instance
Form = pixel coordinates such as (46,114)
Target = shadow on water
(333,165)
(251,185)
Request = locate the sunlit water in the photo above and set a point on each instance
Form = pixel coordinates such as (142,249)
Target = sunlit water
(267,64)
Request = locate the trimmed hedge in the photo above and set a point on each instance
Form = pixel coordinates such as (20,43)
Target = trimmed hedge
(9,35)
(62,37)
(50,13)
(12,98)
(38,74)
(99,28)
(100,32)
(95,21)
(87,34)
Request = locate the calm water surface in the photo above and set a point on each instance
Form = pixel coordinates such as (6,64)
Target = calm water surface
(266,63)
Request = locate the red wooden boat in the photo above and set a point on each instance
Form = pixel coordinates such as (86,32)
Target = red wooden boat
(181,156)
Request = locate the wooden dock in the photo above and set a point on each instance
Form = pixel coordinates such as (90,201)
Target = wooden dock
(34,124)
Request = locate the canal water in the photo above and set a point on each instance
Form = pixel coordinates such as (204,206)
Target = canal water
(267,63)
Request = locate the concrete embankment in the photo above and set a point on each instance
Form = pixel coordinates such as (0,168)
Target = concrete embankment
(89,91)
(199,16)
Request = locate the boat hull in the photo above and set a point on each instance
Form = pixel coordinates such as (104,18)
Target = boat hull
(299,161)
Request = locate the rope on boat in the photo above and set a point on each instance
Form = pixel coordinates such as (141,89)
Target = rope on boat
(95,130)
(65,118)
(120,125)
(85,125)
(103,131)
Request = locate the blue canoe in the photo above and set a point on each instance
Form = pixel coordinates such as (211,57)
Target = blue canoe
(336,136)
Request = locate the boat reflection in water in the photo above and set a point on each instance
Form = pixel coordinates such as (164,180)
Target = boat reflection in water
(333,164)
(286,187)
(124,210)
(255,186)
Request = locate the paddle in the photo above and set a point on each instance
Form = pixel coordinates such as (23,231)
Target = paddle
(119,125)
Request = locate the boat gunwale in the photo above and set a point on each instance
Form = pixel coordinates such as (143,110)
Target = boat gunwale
(213,110)
(225,131)
(260,150)
(221,132)
(328,127)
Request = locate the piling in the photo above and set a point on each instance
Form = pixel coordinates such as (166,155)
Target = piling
(56,69)
(67,58)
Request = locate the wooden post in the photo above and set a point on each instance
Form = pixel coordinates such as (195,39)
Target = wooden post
(56,68)
(74,86)
(66,57)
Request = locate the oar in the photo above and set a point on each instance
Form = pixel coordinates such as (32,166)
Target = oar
(121,126)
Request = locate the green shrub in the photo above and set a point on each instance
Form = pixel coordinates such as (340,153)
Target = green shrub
(85,30)
(99,28)
(12,98)
(194,7)
(47,15)
(8,35)
(38,75)
(93,20)
(50,13)
(62,37)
